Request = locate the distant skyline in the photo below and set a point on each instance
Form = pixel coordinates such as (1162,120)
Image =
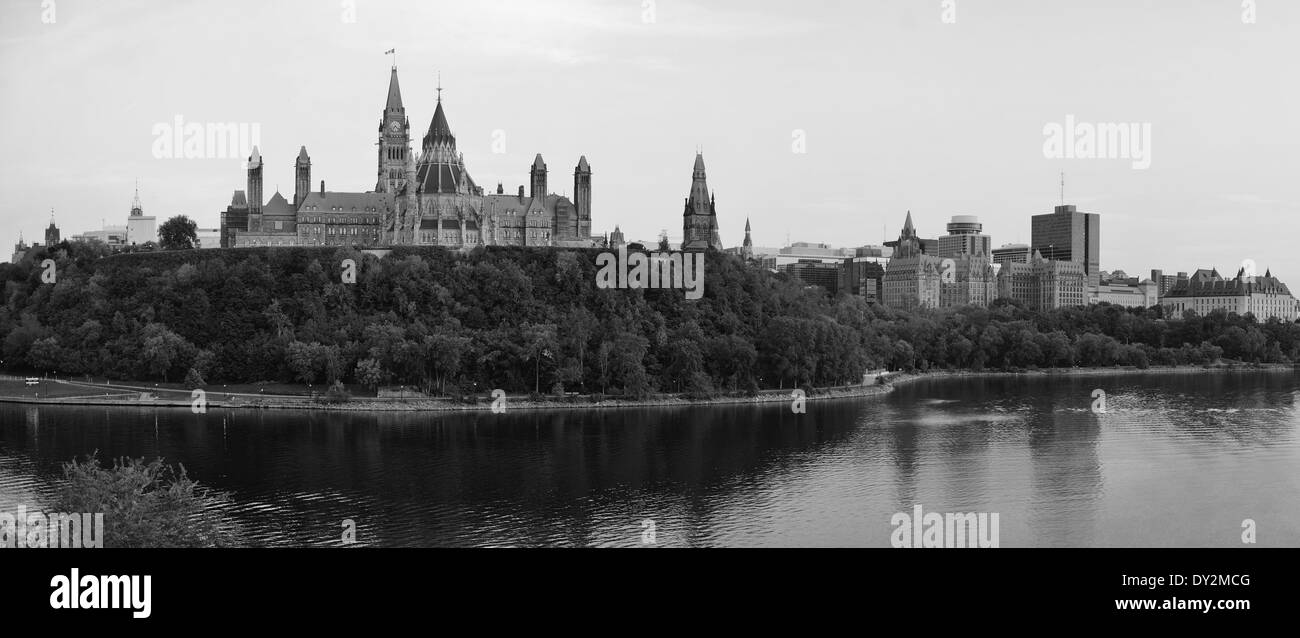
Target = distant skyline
(896,109)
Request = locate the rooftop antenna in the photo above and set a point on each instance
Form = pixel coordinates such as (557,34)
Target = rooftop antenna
(440,87)
(1062,188)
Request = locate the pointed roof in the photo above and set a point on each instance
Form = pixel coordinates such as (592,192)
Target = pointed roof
(699,161)
(137,209)
(394,93)
(538,163)
(582,164)
(907,225)
(255,160)
(278,205)
(746,224)
(439,127)
(302,154)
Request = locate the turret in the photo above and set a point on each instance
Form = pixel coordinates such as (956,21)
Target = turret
(538,178)
(302,177)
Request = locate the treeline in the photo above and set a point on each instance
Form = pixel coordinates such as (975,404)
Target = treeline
(530,320)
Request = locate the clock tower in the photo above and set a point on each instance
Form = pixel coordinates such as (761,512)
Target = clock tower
(394,141)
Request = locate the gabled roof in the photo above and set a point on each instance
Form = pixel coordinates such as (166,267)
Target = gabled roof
(278,206)
(348,202)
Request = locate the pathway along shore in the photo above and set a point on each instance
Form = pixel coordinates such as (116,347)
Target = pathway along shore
(130,396)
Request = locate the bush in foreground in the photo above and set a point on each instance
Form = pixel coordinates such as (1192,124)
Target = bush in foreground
(147,504)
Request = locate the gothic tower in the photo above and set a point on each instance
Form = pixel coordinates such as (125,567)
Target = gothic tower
(582,196)
(700,219)
(409,224)
(52,232)
(909,245)
(394,140)
(747,249)
(255,191)
(538,175)
(302,178)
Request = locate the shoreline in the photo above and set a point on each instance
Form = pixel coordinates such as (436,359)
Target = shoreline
(764,397)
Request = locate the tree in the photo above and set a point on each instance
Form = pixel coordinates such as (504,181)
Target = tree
(162,349)
(538,341)
(369,373)
(194,380)
(178,233)
(147,504)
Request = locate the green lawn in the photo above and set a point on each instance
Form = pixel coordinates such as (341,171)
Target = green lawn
(52,390)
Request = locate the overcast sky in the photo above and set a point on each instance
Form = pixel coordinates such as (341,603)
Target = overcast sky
(899,109)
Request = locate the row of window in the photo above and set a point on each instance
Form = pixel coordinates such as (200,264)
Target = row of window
(340,209)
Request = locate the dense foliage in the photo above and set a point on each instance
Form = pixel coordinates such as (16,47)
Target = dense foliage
(146,504)
(530,320)
(178,233)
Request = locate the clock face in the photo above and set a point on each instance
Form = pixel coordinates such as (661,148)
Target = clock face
(395,127)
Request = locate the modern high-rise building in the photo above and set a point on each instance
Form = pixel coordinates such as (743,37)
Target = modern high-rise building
(1069,235)
(863,276)
(1011,253)
(1206,291)
(1165,283)
(815,273)
(965,238)
(1043,283)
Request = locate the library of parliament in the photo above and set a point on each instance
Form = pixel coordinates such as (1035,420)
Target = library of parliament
(427,198)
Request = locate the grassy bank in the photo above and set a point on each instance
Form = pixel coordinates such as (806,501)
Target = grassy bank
(298,398)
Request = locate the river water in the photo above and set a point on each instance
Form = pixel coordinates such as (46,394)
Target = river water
(1176,460)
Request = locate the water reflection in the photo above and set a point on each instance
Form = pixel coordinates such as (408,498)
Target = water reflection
(1176,460)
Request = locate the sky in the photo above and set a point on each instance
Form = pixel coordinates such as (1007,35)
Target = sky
(819,121)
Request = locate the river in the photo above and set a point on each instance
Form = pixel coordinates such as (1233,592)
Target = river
(1176,460)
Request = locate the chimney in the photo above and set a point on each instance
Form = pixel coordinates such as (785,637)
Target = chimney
(521,192)
(322,188)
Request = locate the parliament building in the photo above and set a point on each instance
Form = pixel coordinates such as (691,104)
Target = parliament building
(426,198)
